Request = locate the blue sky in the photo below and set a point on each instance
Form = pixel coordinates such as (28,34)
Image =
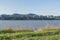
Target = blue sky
(40,7)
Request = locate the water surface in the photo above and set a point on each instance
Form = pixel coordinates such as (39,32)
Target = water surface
(28,23)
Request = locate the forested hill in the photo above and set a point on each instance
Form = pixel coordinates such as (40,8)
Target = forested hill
(28,17)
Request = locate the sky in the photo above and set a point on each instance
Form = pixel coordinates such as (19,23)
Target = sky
(39,7)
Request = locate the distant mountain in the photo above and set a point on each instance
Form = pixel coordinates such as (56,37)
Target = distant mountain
(29,16)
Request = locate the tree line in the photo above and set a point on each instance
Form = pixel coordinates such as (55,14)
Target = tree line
(28,17)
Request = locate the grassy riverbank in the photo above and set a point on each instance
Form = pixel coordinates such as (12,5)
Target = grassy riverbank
(40,34)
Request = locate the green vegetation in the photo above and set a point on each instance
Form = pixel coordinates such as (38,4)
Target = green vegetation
(41,34)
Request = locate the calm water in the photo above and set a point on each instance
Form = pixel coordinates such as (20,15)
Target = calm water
(28,23)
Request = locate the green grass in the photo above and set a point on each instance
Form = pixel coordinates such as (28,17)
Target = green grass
(41,34)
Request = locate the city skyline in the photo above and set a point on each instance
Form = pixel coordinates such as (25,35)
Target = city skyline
(39,7)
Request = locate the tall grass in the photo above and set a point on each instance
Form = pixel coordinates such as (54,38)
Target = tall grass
(46,33)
